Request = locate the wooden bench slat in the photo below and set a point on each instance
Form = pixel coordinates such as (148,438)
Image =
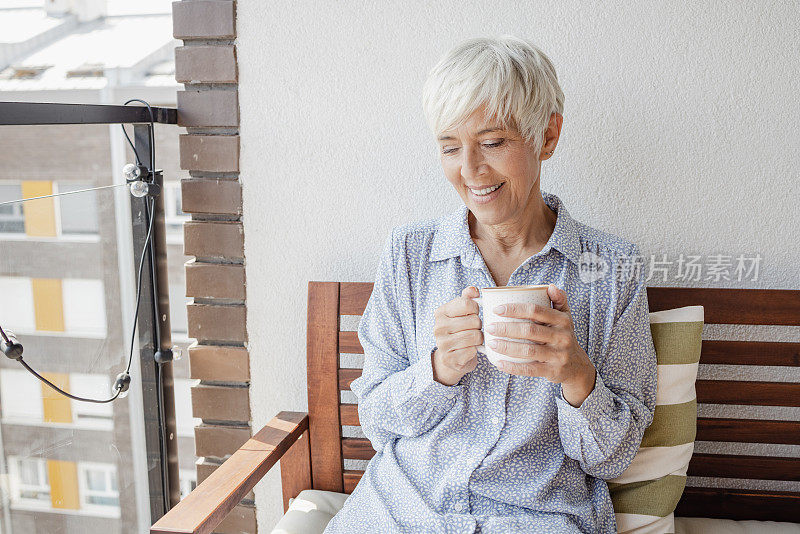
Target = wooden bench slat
(708,391)
(349,343)
(748,393)
(353,297)
(724,466)
(771,353)
(739,504)
(346,377)
(348,414)
(357,449)
(708,429)
(777,353)
(741,466)
(712,465)
(748,430)
(351,478)
(732,305)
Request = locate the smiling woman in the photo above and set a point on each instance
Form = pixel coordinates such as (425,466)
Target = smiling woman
(461,444)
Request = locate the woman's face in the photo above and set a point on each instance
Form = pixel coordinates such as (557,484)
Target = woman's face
(480,153)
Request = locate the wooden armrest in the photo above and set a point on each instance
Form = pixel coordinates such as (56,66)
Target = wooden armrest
(208,504)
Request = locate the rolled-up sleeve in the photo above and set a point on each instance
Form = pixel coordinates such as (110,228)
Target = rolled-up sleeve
(604,433)
(397,395)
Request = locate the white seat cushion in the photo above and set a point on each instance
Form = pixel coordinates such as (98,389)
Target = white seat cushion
(311,510)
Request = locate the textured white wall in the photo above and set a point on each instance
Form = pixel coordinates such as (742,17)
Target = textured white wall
(680,134)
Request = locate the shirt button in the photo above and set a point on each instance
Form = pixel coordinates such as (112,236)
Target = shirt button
(459,507)
(495,419)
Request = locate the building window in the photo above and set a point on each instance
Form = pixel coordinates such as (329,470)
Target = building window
(21,397)
(98,487)
(68,215)
(18,312)
(72,306)
(23,402)
(12,220)
(90,414)
(29,481)
(84,307)
(78,211)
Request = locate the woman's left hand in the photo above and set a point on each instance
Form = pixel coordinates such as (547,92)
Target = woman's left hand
(556,355)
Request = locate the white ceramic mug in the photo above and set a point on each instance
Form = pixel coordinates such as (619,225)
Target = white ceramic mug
(494,296)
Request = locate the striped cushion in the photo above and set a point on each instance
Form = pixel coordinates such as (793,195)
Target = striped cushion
(646,493)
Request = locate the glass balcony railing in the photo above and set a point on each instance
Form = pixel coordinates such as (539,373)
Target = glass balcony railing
(68,291)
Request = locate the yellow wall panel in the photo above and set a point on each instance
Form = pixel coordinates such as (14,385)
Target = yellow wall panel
(48,304)
(57,407)
(64,491)
(40,215)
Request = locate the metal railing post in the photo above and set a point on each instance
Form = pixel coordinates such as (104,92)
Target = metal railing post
(162,475)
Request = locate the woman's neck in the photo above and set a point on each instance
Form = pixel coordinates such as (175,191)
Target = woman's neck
(521,235)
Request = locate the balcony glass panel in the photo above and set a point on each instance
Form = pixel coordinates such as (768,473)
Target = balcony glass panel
(67,280)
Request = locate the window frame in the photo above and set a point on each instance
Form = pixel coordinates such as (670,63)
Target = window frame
(59,228)
(60,235)
(70,331)
(17,208)
(29,417)
(15,474)
(91,423)
(109,471)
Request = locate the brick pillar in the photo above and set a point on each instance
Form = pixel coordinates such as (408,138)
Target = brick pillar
(208,108)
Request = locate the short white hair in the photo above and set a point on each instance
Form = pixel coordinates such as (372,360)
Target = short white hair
(511,76)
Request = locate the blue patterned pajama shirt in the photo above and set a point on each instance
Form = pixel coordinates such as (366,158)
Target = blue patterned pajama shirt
(497,452)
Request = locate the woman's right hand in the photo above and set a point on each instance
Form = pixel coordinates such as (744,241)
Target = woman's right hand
(457,330)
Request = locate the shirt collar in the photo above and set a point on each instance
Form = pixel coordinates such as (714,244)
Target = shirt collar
(452,237)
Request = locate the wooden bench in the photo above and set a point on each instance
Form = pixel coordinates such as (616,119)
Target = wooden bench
(312,450)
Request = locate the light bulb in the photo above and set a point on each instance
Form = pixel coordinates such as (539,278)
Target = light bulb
(131,171)
(139,188)
(122,383)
